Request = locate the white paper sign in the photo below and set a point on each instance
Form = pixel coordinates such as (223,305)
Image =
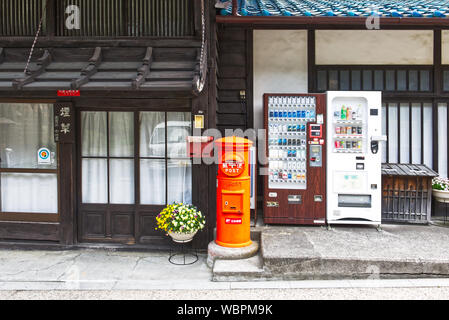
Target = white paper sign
(43,156)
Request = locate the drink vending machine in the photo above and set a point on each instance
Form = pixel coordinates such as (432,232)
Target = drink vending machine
(295,177)
(354,180)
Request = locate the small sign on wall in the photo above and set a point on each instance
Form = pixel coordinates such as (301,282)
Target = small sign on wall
(64,123)
(199,122)
(44,156)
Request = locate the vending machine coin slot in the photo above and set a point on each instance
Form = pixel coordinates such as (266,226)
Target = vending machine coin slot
(316,155)
(294,199)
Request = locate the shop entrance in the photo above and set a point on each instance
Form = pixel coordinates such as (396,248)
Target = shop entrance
(131,164)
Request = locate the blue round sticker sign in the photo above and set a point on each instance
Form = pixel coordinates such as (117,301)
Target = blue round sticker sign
(44,156)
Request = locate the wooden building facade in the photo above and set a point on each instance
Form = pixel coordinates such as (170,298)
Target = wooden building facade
(93,123)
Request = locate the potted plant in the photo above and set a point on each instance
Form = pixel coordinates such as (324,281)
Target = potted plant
(180,221)
(440,189)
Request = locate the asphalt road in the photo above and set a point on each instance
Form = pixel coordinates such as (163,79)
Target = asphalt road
(409,293)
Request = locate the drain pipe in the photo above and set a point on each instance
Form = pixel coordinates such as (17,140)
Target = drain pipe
(235,7)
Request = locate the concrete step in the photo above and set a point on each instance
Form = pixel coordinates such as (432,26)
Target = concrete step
(238,270)
(344,252)
(353,252)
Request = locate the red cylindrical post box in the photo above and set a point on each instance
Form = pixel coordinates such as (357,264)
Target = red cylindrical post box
(233,192)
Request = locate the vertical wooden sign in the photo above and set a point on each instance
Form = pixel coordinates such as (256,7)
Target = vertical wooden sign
(64,124)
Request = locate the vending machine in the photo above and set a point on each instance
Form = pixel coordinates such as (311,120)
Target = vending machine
(295,176)
(354,132)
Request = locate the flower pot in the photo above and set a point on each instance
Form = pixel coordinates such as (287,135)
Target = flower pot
(182,237)
(441,195)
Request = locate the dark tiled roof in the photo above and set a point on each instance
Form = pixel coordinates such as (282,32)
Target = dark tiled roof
(341,8)
(135,68)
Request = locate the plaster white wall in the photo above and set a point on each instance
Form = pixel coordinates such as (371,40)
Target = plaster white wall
(280,65)
(374,47)
(445,46)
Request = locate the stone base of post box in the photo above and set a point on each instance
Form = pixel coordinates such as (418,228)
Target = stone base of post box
(214,252)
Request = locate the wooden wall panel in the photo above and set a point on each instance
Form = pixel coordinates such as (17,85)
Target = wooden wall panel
(233,69)
(29,231)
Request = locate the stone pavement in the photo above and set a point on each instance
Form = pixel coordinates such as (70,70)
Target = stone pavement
(296,253)
(108,273)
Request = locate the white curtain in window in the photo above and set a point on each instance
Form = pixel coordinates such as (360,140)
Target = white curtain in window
(152,181)
(442,139)
(405,133)
(121,134)
(94,144)
(94,134)
(29,192)
(416,133)
(121,175)
(393,156)
(95,180)
(24,129)
(179,181)
(179,127)
(428,139)
(95,170)
(152,134)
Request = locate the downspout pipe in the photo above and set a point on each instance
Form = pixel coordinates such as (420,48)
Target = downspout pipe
(235,8)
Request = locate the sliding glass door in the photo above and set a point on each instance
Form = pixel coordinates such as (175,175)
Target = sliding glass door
(129,161)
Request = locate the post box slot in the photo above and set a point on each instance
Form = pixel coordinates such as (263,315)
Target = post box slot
(232,202)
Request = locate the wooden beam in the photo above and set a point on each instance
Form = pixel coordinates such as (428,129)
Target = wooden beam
(89,70)
(42,63)
(332,21)
(144,70)
(311,61)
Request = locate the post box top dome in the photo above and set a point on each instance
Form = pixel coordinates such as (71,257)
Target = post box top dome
(237,141)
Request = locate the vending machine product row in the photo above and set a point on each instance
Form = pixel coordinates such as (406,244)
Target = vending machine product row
(295,184)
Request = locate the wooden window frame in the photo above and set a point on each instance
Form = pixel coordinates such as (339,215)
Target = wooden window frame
(28,216)
(373,68)
(444,68)
(136,113)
